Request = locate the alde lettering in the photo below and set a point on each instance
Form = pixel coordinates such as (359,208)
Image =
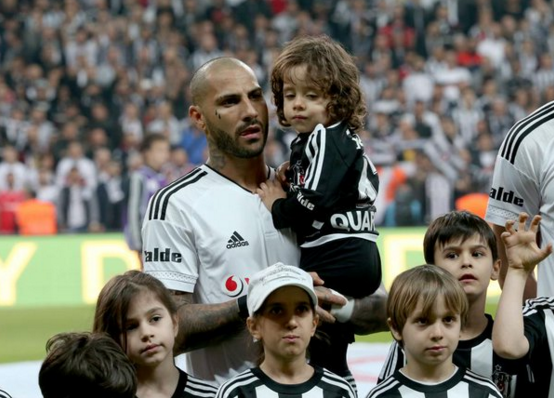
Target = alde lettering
(164,255)
(508,197)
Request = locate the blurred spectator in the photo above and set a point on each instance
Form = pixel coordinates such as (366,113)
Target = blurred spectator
(75,158)
(179,164)
(111,197)
(77,206)
(10,198)
(13,173)
(35,216)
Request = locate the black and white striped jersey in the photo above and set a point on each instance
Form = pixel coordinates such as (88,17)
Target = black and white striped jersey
(331,208)
(254,383)
(524,181)
(475,354)
(333,188)
(191,387)
(204,234)
(538,320)
(463,384)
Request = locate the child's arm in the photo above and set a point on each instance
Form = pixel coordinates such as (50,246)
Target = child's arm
(523,255)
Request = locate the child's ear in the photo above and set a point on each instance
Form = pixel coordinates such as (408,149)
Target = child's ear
(314,323)
(496,270)
(175,319)
(395,333)
(253,327)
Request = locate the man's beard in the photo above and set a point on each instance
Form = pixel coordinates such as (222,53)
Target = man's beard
(229,144)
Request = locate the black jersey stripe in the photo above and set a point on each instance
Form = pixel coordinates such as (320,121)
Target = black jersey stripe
(166,199)
(523,128)
(161,199)
(155,201)
(512,133)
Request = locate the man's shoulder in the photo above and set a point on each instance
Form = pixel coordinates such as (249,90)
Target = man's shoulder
(534,134)
(179,193)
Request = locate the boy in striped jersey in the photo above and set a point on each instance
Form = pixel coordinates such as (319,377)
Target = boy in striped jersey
(281,306)
(465,245)
(528,335)
(427,309)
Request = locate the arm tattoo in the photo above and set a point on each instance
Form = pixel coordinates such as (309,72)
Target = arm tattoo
(370,313)
(203,325)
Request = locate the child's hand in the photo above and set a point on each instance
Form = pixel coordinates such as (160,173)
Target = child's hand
(270,191)
(281,174)
(521,245)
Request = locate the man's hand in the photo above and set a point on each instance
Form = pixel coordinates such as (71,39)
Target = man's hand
(325,299)
(269,192)
(521,244)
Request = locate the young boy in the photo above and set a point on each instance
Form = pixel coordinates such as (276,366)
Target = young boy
(465,245)
(144,183)
(281,306)
(85,365)
(333,185)
(427,308)
(528,334)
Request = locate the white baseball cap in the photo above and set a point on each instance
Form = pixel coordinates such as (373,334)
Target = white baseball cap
(278,275)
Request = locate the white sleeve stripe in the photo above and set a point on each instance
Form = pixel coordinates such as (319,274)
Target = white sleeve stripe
(319,141)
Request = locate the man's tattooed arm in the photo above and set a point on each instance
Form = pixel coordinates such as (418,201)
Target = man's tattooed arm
(203,325)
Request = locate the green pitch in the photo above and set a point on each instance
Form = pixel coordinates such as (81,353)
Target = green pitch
(24,332)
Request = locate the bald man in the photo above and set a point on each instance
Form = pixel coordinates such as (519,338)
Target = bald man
(207,233)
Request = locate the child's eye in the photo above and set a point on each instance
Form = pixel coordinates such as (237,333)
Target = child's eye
(289,95)
(451,256)
(275,311)
(156,318)
(422,321)
(478,254)
(303,309)
(130,327)
(449,320)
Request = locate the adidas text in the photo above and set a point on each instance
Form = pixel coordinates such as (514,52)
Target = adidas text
(237,244)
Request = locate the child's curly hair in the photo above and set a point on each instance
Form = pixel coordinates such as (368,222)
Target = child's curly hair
(331,69)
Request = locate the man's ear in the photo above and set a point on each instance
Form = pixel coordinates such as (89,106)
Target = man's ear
(495,273)
(197,117)
(395,333)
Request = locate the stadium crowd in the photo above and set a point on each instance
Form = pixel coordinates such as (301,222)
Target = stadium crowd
(83,81)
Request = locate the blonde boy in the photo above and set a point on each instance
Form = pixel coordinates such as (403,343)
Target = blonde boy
(426,310)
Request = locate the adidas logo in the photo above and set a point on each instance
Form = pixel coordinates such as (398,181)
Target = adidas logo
(236,241)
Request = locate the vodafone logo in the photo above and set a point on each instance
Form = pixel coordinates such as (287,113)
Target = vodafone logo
(233,286)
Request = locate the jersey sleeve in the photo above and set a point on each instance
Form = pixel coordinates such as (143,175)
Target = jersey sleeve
(332,156)
(514,190)
(535,330)
(394,361)
(168,251)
